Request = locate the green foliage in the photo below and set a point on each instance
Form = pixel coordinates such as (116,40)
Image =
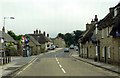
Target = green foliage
(71,38)
(77,35)
(61,35)
(14,36)
(11,51)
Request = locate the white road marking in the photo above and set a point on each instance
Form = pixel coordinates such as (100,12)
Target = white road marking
(19,72)
(63,70)
(60,65)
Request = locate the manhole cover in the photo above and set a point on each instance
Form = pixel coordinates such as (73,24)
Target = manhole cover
(11,68)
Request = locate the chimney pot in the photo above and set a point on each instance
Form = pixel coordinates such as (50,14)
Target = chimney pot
(36,31)
(47,35)
(44,33)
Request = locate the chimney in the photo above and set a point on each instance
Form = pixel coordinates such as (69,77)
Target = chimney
(47,35)
(39,31)
(36,31)
(44,33)
(87,26)
(96,18)
(92,22)
(111,9)
(3,29)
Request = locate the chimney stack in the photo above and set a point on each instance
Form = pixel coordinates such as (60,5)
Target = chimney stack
(3,29)
(87,26)
(36,31)
(47,35)
(44,33)
(39,31)
(92,22)
(96,18)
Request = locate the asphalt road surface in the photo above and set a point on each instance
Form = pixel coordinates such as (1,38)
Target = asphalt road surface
(60,63)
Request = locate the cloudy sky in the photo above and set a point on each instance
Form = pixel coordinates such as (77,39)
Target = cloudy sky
(52,16)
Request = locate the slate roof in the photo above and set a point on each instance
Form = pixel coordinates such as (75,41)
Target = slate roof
(109,19)
(40,38)
(106,21)
(7,37)
(87,34)
(34,40)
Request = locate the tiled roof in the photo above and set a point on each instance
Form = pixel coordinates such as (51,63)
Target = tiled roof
(7,37)
(41,38)
(87,34)
(107,21)
(34,40)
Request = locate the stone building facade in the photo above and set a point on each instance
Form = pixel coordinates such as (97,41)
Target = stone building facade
(101,40)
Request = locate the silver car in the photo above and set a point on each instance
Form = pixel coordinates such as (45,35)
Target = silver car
(66,50)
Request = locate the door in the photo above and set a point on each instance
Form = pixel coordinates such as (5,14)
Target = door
(87,53)
(105,54)
(98,53)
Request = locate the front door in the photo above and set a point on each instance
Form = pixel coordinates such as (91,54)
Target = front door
(105,54)
(87,53)
(98,53)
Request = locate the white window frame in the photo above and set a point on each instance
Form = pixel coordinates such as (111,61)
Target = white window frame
(115,12)
(109,52)
(96,30)
(96,50)
(103,52)
(102,33)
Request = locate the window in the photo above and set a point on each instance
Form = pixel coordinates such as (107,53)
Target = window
(102,33)
(115,12)
(96,30)
(103,52)
(96,50)
(108,52)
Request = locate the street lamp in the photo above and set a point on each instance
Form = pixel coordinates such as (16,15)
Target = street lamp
(5,22)
(4,42)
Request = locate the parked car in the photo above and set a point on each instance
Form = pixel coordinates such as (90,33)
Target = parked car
(52,47)
(71,46)
(66,49)
(76,48)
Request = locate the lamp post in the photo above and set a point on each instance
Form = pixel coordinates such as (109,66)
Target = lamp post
(4,22)
(4,57)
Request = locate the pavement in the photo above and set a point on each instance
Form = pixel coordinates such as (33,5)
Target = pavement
(19,62)
(109,67)
(16,64)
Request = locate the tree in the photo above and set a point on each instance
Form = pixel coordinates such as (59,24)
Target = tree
(77,35)
(68,39)
(61,35)
(12,34)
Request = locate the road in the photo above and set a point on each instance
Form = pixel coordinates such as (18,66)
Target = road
(61,63)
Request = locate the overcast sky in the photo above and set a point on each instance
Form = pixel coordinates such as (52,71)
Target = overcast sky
(52,16)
